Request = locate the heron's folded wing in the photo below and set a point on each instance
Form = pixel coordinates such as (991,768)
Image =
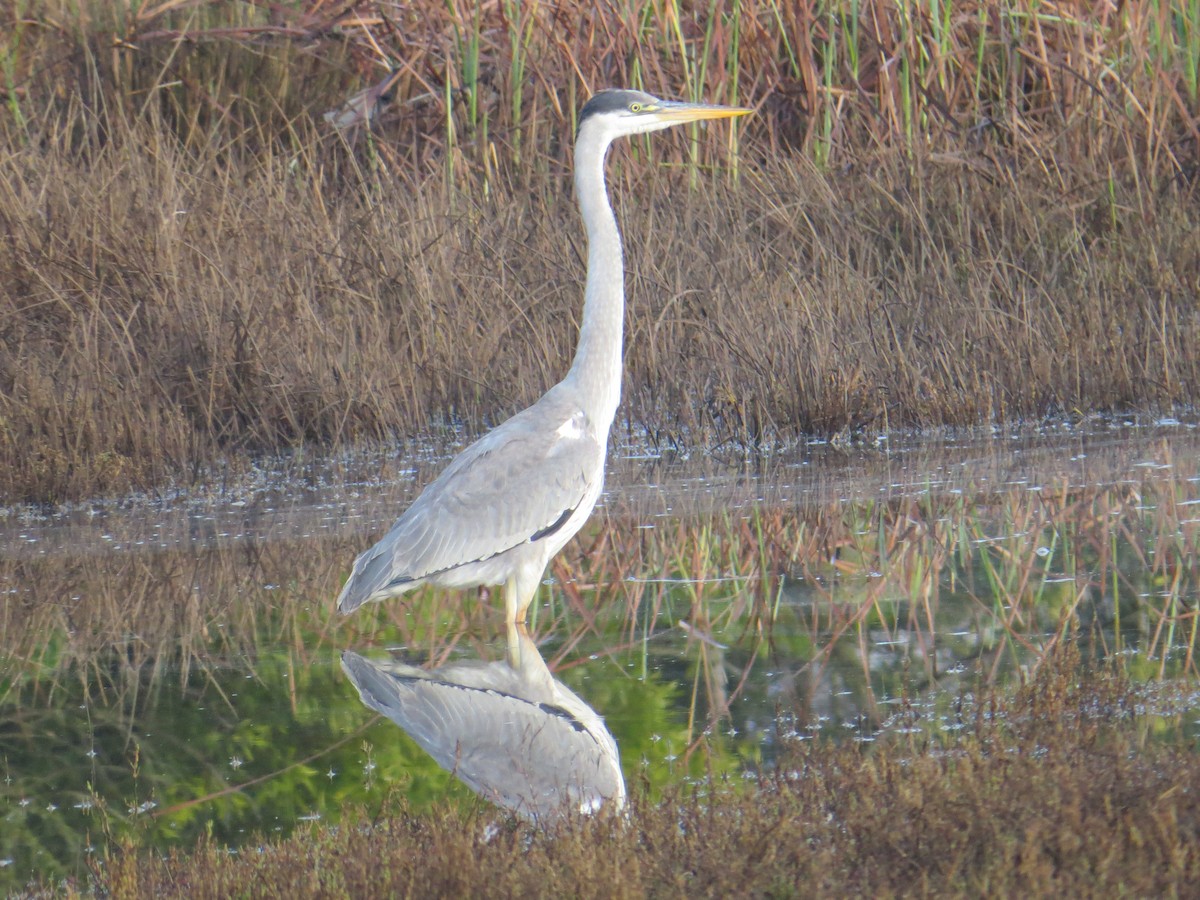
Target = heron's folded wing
(519,483)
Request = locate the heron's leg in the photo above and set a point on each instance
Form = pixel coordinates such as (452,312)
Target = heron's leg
(514,639)
(518,637)
(519,592)
(511,600)
(524,657)
(512,603)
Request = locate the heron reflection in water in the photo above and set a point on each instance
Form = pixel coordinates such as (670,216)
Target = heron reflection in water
(509,729)
(509,502)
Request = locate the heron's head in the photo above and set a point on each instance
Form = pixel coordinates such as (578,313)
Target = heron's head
(613,114)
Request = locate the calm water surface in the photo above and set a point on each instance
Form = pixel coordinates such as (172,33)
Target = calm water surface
(726,608)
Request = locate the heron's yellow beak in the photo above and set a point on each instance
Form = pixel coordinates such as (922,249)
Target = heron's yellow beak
(669,111)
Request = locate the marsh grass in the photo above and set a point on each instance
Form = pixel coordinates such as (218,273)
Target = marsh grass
(936,217)
(1055,787)
(1021,568)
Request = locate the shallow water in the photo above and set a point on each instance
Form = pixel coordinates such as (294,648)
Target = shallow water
(171,664)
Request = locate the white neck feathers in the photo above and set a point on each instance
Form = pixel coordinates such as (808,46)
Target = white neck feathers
(597,368)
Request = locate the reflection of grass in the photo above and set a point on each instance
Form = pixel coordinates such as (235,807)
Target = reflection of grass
(224,755)
(1049,790)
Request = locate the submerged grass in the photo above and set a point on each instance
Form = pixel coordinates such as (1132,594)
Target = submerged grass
(942,214)
(1054,788)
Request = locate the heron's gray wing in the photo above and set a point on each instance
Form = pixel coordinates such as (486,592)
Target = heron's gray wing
(529,757)
(521,482)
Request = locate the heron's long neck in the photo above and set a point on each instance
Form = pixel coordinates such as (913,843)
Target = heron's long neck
(597,366)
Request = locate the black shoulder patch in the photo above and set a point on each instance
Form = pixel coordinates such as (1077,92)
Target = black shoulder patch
(550,529)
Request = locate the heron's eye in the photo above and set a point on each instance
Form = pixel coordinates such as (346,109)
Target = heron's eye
(635,107)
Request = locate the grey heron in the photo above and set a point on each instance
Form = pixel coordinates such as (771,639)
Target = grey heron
(508,503)
(508,729)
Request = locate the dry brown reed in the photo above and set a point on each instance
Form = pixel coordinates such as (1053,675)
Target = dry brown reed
(985,215)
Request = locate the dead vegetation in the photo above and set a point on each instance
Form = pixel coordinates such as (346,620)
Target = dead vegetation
(981,214)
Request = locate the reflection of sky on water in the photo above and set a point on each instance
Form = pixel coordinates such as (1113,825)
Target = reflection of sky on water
(360,495)
(282,739)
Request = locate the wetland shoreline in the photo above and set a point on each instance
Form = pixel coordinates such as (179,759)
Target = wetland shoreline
(1059,787)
